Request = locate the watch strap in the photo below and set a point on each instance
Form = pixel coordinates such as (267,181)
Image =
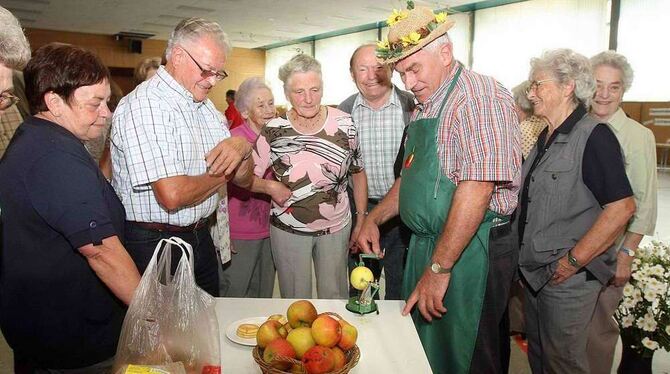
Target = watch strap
(627,251)
(438,269)
(573,261)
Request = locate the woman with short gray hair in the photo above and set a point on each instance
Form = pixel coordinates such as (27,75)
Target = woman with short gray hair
(617,61)
(14,54)
(251,270)
(14,48)
(581,199)
(565,66)
(312,153)
(530,125)
(300,63)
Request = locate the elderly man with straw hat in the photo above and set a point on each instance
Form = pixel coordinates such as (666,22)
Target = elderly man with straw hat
(459,184)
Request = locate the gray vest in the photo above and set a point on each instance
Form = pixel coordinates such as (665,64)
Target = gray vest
(561,209)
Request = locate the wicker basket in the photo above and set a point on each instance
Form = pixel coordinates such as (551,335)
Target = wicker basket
(352,359)
(352,356)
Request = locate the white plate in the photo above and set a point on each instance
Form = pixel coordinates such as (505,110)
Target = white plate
(231,330)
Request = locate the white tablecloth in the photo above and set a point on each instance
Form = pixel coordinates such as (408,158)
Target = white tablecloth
(388,341)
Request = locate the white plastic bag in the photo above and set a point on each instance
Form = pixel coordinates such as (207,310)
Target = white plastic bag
(170,319)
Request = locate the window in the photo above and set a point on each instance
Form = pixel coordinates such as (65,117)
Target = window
(507,37)
(643,40)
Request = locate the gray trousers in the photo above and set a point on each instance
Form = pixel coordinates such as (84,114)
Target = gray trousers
(604,331)
(250,272)
(557,322)
(293,254)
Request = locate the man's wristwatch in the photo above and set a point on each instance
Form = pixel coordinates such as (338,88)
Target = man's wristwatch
(627,251)
(573,261)
(438,269)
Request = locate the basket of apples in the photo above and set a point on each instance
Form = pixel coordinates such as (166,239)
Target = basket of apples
(306,342)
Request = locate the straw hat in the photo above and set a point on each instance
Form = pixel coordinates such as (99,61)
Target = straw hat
(410,30)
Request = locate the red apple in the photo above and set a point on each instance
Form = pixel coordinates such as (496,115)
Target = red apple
(268,332)
(278,347)
(349,336)
(301,313)
(318,360)
(340,358)
(326,331)
(301,340)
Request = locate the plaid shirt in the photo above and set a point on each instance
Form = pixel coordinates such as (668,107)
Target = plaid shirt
(379,134)
(158,131)
(478,135)
(9,122)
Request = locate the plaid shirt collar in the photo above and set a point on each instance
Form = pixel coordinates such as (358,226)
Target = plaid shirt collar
(177,88)
(393,100)
(438,96)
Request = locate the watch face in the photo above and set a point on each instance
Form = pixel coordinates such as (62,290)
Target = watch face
(435,267)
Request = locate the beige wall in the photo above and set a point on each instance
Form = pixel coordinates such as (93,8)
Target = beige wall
(242,63)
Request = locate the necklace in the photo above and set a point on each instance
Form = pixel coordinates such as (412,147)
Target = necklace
(308,123)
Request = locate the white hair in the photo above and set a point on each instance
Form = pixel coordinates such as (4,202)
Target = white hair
(434,45)
(567,65)
(617,61)
(520,97)
(191,29)
(14,47)
(300,63)
(244,94)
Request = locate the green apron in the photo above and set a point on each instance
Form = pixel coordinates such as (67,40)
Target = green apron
(425,200)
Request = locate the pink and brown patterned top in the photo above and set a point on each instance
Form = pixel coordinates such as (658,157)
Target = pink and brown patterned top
(315,167)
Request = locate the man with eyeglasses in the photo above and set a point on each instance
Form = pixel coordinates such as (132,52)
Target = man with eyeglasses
(171,151)
(14,54)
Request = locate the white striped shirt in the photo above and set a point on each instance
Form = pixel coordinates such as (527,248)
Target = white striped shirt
(379,134)
(158,131)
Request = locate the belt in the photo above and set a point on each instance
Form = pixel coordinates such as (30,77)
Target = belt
(374,201)
(155,226)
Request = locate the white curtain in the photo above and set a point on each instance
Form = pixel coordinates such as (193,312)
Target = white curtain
(507,37)
(276,57)
(644,27)
(334,54)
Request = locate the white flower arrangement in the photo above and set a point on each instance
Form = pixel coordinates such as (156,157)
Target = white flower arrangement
(644,311)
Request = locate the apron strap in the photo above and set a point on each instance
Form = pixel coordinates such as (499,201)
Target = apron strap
(450,89)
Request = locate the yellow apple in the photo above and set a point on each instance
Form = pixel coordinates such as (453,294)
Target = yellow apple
(301,313)
(349,336)
(301,340)
(360,277)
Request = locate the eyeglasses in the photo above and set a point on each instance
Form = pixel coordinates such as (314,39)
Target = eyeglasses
(534,85)
(7,100)
(205,74)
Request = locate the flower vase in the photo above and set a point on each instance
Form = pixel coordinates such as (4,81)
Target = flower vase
(633,362)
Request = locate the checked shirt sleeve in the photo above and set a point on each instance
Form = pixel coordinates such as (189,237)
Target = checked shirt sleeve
(151,144)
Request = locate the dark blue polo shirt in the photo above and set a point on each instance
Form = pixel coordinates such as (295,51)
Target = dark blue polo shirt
(54,310)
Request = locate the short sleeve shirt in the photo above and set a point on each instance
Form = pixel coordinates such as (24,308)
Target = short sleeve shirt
(478,135)
(315,168)
(159,131)
(54,200)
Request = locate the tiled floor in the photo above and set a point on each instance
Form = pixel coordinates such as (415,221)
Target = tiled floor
(519,363)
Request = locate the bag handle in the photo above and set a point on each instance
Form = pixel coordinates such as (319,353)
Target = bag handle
(163,262)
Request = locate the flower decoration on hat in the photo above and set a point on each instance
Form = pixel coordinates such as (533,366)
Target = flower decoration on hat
(396,16)
(411,39)
(410,30)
